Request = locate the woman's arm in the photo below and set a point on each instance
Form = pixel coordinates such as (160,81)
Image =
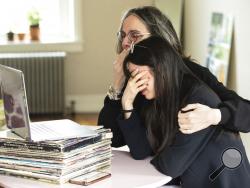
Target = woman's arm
(234,110)
(130,124)
(129,131)
(112,107)
(108,118)
(135,136)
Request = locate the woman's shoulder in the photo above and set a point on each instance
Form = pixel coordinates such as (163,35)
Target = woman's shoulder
(194,90)
(201,93)
(200,71)
(193,66)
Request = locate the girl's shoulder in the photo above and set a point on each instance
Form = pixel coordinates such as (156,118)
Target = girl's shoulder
(194,90)
(199,92)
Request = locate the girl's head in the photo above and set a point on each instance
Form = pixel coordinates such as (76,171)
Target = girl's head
(161,61)
(165,72)
(143,22)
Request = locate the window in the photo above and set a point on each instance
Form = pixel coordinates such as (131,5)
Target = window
(57,25)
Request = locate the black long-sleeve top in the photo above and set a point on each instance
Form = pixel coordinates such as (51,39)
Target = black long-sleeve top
(235,115)
(192,158)
(234,109)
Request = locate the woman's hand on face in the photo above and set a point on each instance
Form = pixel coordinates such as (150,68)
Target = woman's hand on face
(119,77)
(195,117)
(136,83)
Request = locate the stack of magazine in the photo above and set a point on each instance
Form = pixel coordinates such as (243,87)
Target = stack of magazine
(87,158)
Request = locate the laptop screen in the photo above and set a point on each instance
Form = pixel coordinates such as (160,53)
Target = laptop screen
(15,101)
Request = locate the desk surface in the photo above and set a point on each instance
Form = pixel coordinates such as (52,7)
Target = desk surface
(126,172)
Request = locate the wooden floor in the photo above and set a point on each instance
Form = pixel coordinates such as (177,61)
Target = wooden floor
(90,119)
(86,118)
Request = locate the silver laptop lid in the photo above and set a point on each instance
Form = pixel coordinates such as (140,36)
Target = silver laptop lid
(15,101)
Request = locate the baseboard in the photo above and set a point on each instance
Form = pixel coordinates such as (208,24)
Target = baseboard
(86,103)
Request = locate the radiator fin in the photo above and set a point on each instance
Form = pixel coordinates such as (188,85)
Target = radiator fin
(44,79)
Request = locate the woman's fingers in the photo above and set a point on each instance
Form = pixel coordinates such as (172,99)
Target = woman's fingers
(118,63)
(187,131)
(118,74)
(187,120)
(139,84)
(136,75)
(142,87)
(142,82)
(125,52)
(195,117)
(191,107)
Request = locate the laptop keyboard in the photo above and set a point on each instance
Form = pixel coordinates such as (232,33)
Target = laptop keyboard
(42,129)
(58,129)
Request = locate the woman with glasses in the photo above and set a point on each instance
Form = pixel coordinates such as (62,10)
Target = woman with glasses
(139,23)
(157,72)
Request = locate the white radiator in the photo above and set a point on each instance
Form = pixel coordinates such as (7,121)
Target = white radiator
(44,79)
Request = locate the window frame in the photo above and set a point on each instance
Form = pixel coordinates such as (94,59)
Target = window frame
(74,45)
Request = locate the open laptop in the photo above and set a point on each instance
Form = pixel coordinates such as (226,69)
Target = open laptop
(17,113)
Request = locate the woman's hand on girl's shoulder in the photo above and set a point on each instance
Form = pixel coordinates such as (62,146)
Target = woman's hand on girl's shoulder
(195,117)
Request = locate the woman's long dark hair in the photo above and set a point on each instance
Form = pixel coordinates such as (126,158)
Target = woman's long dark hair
(160,116)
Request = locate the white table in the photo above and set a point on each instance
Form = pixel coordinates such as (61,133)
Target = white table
(126,173)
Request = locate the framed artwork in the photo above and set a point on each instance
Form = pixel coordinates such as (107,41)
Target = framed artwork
(219,45)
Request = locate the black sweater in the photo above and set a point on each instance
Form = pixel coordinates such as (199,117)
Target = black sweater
(191,158)
(234,109)
(200,151)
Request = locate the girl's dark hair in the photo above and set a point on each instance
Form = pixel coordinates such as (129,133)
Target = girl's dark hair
(160,116)
(157,24)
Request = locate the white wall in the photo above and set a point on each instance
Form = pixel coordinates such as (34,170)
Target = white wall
(173,10)
(197,16)
(88,74)
(196,27)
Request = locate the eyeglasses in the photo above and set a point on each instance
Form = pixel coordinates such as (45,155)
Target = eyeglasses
(133,36)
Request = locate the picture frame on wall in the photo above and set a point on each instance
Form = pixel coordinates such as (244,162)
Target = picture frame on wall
(219,45)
